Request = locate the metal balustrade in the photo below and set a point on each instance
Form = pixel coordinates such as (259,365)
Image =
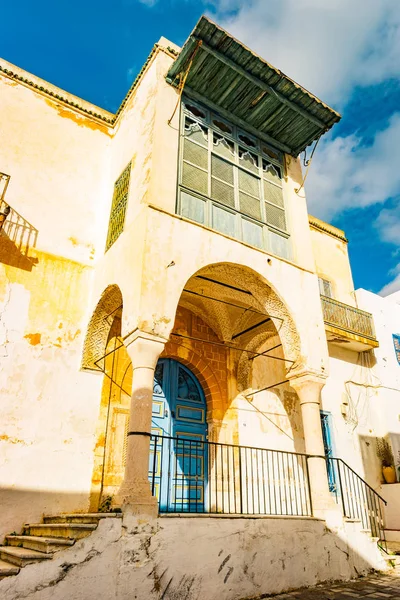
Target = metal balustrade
(358,499)
(347,317)
(15,227)
(187,475)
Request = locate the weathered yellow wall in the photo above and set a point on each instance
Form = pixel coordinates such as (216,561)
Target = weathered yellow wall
(60,183)
(63,166)
(57,160)
(332,263)
(48,405)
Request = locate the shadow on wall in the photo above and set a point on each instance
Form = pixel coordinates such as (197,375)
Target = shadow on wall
(395,442)
(17,237)
(371,464)
(24,505)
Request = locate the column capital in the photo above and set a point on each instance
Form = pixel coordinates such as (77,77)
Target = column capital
(307,379)
(144,349)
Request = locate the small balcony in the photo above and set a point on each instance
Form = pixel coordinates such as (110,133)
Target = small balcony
(347,324)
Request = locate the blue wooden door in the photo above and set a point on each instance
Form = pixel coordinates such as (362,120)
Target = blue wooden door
(160,426)
(180,464)
(329,449)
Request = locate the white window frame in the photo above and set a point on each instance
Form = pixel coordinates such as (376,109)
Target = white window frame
(325,286)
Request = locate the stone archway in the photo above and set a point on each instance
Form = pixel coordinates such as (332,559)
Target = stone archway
(214,392)
(104,351)
(261,296)
(245,312)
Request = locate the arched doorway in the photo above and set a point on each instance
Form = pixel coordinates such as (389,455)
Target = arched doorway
(180,469)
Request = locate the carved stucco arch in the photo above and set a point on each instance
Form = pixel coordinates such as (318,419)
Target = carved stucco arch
(99,327)
(266,300)
(245,364)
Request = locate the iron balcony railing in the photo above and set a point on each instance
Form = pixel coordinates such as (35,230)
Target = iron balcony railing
(359,500)
(197,476)
(347,317)
(13,225)
(187,475)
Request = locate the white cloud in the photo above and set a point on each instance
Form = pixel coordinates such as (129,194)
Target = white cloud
(346,174)
(388,224)
(394,285)
(328,47)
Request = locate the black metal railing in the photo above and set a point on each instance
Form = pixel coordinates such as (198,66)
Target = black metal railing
(359,500)
(187,475)
(14,226)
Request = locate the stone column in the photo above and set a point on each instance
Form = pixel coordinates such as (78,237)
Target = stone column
(135,492)
(308,388)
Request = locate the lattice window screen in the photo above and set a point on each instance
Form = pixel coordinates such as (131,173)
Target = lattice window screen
(224,166)
(118,207)
(222,181)
(275,216)
(249,195)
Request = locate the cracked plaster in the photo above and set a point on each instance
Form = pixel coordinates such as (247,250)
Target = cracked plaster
(235,558)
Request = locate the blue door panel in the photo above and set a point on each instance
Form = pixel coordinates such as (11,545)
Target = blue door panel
(180,465)
(329,449)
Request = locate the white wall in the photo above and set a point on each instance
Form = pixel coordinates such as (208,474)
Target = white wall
(363,392)
(386,314)
(197,558)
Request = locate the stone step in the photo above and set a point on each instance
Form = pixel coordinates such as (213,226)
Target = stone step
(392,559)
(73,531)
(392,535)
(393,547)
(48,545)
(7,569)
(89,518)
(21,556)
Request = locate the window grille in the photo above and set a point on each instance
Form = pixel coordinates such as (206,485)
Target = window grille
(325,287)
(118,207)
(231,182)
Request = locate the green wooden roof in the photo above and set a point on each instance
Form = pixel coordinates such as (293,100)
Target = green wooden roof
(234,81)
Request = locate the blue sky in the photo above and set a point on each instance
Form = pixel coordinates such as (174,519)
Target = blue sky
(347,53)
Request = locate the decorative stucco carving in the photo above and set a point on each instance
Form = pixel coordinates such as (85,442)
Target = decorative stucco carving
(261,298)
(99,327)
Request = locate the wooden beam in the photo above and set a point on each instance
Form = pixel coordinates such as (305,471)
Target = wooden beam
(233,118)
(180,62)
(264,86)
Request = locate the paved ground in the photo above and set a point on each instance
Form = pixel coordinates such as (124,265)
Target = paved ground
(377,587)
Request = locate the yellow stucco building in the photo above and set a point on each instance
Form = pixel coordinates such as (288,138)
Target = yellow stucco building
(173,323)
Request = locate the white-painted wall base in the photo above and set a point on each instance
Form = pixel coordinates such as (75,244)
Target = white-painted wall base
(391,493)
(196,557)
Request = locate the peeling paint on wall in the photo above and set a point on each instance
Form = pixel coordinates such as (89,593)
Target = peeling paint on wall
(33,338)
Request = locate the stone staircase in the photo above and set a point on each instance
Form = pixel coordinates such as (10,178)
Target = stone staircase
(392,537)
(39,541)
